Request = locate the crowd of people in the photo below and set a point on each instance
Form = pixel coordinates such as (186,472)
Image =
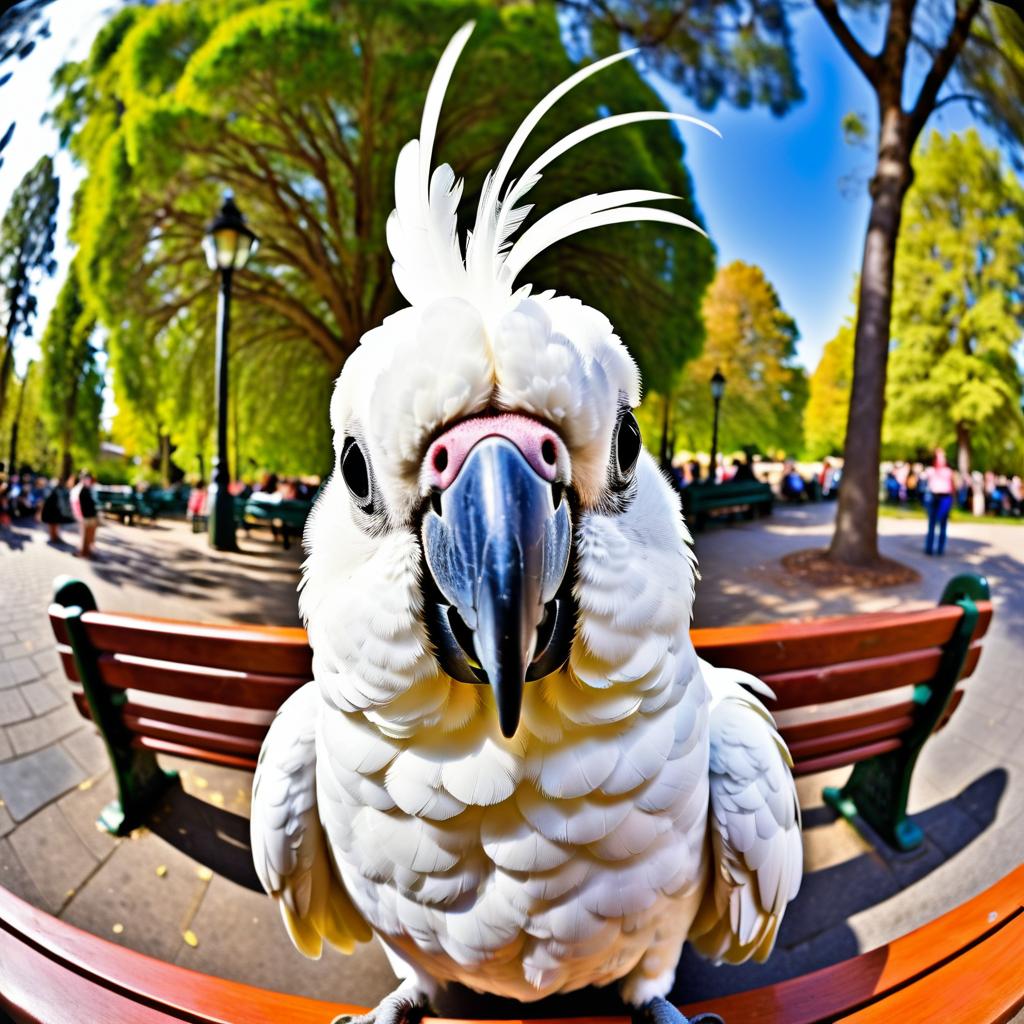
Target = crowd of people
(271,489)
(978,493)
(53,502)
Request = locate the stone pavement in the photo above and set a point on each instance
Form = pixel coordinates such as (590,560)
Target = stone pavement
(184,889)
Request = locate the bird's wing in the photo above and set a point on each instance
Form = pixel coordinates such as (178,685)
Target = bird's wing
(288,845)
(754,825)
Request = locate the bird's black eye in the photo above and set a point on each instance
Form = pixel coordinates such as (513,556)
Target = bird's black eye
(627,444)
(355,471)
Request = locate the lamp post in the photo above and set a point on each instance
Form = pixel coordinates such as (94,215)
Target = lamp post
(717,390)
(228,244)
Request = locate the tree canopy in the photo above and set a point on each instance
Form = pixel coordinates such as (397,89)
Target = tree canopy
(26,250)
(300,107)
(72,379)
(958,311)
(752,340)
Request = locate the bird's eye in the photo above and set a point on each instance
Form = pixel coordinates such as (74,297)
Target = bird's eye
(627,444)
(356,473)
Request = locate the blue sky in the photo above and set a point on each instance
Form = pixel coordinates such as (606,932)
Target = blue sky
(786,193)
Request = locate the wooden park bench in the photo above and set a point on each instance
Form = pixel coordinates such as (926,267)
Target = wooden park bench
(745,497)
(963,967)
(209,692)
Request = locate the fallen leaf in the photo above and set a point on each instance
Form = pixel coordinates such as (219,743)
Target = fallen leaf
(200,782)
(204,873)
(118,928)
(161,871)
(217,799)
(190,938)
(85,785)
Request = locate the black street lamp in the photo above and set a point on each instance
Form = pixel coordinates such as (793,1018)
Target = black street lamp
(717,390)
(228,244)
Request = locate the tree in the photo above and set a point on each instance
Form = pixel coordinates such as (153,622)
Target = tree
(26,249)
(975,53)
(828,403)
(72,379)
(20,28)
(958,312)
(739,50)
(752,340)
(35,446)
(301,109)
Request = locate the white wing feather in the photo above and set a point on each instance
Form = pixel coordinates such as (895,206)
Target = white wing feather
(757,858)
(288,846)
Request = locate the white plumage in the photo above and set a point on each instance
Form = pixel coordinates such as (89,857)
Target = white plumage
(646,796)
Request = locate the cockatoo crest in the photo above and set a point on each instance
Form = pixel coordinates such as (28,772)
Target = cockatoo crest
(422,232)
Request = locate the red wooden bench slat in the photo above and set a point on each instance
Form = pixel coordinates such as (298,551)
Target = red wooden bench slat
(823,684)
(783,647)
(954,703)
(204,739)
(825,722)
(847,739)
(984,984)
(42,961)
(195,682)
(844,987)
(275,650)
(159,746)
(844,757)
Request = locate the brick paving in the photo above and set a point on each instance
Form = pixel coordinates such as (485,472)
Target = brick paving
(190,870)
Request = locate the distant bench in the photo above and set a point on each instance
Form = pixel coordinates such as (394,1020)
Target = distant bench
(963,967)
(744,496)
(209,692)
(287,516)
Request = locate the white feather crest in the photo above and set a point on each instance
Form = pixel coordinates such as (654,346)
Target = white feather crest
(422,229)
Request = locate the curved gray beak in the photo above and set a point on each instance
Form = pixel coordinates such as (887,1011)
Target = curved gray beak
(498,552)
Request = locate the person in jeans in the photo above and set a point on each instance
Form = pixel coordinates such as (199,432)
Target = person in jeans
(938,478)
(83,505)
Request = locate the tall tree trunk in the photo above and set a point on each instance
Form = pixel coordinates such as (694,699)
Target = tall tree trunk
(165,458)
(963,449)
(6,365)
(855,541)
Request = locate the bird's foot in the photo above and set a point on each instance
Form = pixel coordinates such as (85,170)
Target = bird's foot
(660,1011)
(406,1005)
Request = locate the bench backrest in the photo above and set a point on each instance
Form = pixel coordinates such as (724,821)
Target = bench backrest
(209,692)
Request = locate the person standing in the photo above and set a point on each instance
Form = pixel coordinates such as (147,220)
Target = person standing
(51,512)
(939,479)
(83,505)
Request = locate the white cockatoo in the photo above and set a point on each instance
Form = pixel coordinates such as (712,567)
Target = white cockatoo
(511,766)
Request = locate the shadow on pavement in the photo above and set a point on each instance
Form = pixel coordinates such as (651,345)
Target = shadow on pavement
(216,838)
(814,933)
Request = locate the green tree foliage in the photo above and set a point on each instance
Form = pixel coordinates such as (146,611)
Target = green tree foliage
(26,250)
(828,402)
(72,379)
(958,311)
(35,442)
(20,29)
(301,107)
(752,340)
(739,50)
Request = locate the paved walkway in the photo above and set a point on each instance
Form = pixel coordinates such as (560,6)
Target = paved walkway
(184,889)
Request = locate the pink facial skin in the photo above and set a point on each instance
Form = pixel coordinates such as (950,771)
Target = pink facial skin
(539,444)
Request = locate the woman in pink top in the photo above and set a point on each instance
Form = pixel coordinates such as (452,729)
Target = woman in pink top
(939,480)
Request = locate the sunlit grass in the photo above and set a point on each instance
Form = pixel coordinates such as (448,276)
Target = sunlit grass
(919,512)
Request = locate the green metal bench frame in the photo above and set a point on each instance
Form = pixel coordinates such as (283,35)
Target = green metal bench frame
(140,780)
(878,788)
